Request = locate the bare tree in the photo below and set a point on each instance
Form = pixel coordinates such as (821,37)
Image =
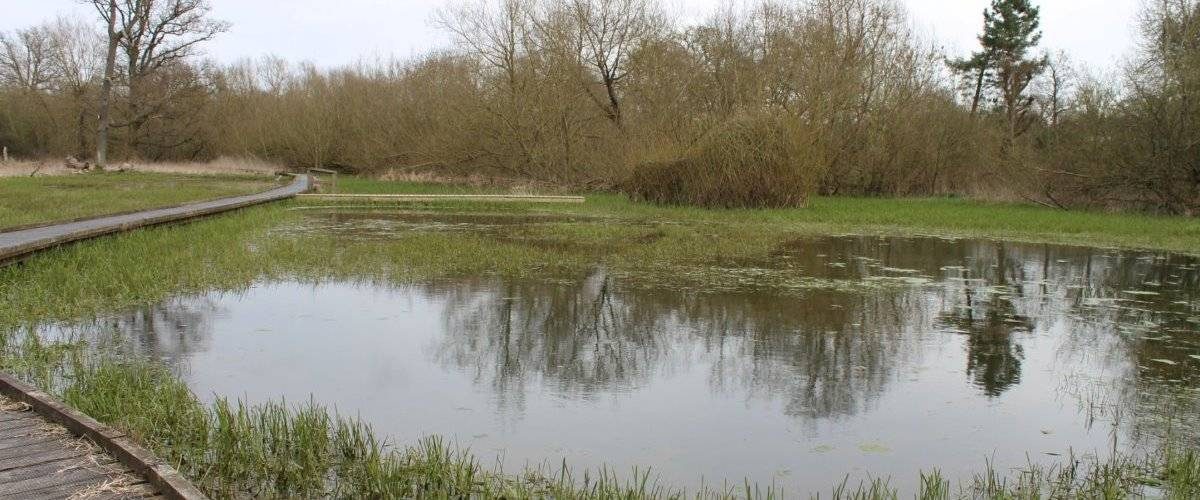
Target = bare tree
(25,58)
(609,32)
(26,67)
(500,37)
(76,57)
(1055,88)
(152,36)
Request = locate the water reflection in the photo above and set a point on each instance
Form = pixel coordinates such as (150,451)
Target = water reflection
(173,330)
(598,336)
(944,352)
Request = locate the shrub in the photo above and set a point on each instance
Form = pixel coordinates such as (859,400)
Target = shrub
(747,162)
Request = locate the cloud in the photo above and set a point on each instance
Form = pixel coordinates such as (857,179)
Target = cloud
(327,33)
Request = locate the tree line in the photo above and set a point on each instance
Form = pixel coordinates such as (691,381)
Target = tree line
(761,104)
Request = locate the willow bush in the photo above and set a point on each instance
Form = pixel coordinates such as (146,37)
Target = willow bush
(747,162)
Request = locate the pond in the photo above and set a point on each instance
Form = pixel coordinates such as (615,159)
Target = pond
(838,355)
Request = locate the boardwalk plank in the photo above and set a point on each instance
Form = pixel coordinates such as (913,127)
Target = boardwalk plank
(23,419)
(83,471)
(29,429)
(16,415)
(17,424)
(19,442)
(66,489)
(52,467)
(35,448)
(43,454)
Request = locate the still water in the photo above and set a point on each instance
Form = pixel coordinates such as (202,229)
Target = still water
(849,355)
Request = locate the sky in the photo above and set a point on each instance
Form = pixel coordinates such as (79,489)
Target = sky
(332,33)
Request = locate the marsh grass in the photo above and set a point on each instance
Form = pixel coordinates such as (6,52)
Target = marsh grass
(39,200)
(953,217)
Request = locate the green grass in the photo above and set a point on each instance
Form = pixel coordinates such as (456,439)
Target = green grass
(38,200)
(934,216)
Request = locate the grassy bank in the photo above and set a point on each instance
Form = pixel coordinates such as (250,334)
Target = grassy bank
(38,200)
(906,216)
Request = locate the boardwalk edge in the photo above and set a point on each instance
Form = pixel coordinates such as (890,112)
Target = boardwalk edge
(157,472)
(162,475)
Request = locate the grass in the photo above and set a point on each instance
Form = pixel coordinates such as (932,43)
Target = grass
(283,450)
(38,200)
(934,216)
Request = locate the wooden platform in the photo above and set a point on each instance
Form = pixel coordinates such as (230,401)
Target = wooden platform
(43,460)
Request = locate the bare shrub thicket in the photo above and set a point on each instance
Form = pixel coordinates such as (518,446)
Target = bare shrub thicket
(747,162)
(762,104)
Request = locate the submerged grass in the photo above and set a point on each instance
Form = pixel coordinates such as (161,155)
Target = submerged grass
(890,216)
(39,200)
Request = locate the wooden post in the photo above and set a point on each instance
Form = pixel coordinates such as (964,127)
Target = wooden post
(5,154)
(331,173)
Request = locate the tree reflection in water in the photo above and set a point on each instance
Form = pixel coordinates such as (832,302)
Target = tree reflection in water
(825,354)
(821,353)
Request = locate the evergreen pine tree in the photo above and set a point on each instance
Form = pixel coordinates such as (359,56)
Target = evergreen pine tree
(1011,29)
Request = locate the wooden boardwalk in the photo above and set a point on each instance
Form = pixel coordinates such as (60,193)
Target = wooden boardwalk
(48,450)
(43,460)
(15,245)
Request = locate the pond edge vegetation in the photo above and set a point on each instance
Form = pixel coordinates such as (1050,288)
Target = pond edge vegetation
(234,449)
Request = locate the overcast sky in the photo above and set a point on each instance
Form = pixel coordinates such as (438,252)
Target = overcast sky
(331,33)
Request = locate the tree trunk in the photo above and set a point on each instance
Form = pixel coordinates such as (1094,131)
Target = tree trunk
(81,134)
(615,110)
(110,64)
(978,90)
